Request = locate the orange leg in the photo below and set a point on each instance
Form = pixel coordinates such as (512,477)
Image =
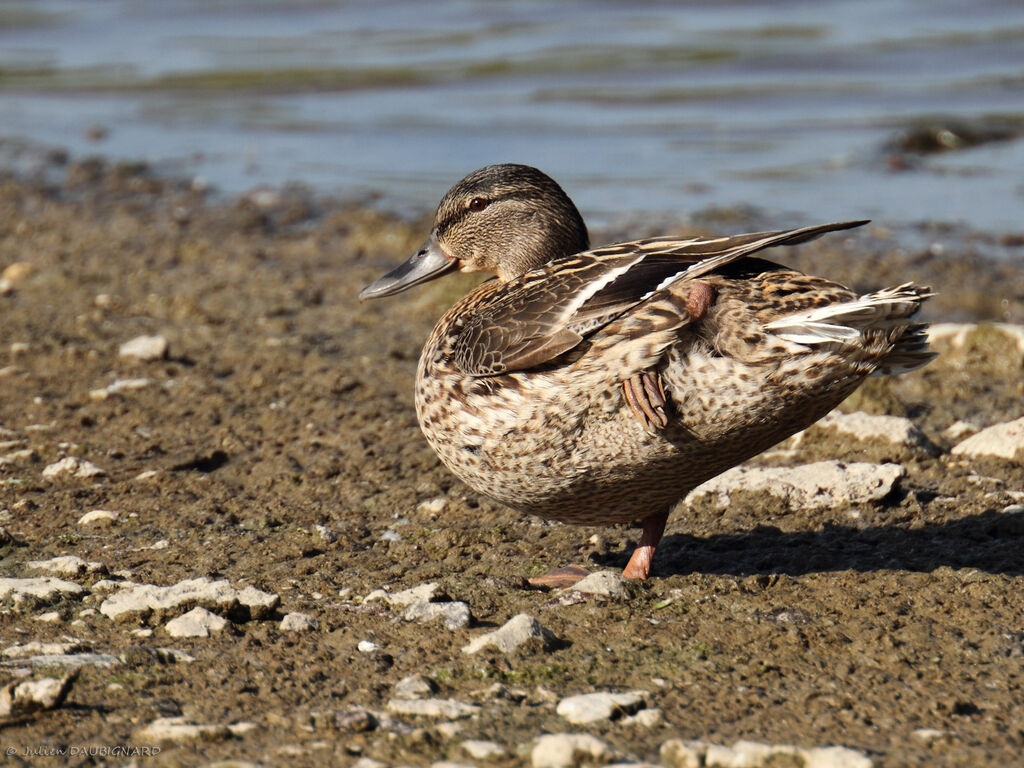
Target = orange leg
(639,565)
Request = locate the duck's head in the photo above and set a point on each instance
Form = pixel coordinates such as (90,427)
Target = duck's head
(502,219)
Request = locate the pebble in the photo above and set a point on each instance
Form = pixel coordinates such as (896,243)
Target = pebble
(645,718)
(809,486)
(67,565)
(118,387)
(298,622)
(449,709)
(143,600)
(423,593)
(35,647)
(432,507)
(568,750)
(145,348)
(99,517)
(198,622)
(864,426)
(180,730)
(68,661)
(928,735)
(453,615)
(1013,509)
(520,632)
(676,753)
(603,584)
(595,707)
(72,466)
(483,750)
(51,617)
(39,590)
(959,429)
(1004,441)
(367,646)
(414,687)
(19,699)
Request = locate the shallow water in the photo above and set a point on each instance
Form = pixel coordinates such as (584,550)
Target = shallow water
(790,107)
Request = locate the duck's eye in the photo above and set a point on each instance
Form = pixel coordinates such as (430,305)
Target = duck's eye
(478,204)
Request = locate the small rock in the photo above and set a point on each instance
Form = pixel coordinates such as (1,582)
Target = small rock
(1013,509)
(568,750)
(645,718)
(119,386)
(71,660)
(603,584)
(145,348)
(835,757)
(30,696)
(143,600)
(367,646)
(423,593)
(432,507)
(594,707)
(521,632)
(959,429)
(51,617)
(454,615)
(751,754)
(414,687)
(355,721)
(16,272)
(483,750)
(180,731)
(299,622)
(928,735)
(72,467)
(1004,441)
(99,517)
(449,709)
(67,565)
(35,647)
(37,591)
(864,426)
(368,762)
(198,622)
(810,486)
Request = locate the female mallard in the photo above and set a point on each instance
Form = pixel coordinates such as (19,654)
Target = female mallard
(601,386)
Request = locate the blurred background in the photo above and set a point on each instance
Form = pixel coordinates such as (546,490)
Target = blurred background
(900,110)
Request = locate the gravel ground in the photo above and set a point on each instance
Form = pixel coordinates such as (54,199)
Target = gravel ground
(209,533)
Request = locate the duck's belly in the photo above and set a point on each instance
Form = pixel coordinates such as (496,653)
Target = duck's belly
(573,450)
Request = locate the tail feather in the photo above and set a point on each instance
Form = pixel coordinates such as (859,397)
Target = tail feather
(882,314)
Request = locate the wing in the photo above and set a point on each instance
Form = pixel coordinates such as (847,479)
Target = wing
(551,309)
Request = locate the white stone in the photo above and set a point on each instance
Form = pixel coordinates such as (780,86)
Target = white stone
(35,647)
(449,709)
(483,750)
(198,622)
(432,507)
(72,660)
(809,486)
(119,386)
(299,622)
(422,593)
(959,429)
(928,735)
(368,762)
(43,589)
(367,646)
(67,565)
(865,426)
(518,631)
(676,753)
(453,615)
(568,750)
(144,600)
(414,687)
(594,707)
(645,718)
(144,348)
(99,517)
(1013,509)
(72,466)
(179,730)
(1004,441)
(24,698)
(51,617)
(602,583)
(835,757)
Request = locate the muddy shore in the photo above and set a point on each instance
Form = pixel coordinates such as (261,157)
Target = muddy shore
(274,445)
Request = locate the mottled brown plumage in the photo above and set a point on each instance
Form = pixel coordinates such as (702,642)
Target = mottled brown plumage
(601,386)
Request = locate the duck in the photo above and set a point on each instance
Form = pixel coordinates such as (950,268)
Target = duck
(599,386)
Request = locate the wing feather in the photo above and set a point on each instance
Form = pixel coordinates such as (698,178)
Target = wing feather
(551,309)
